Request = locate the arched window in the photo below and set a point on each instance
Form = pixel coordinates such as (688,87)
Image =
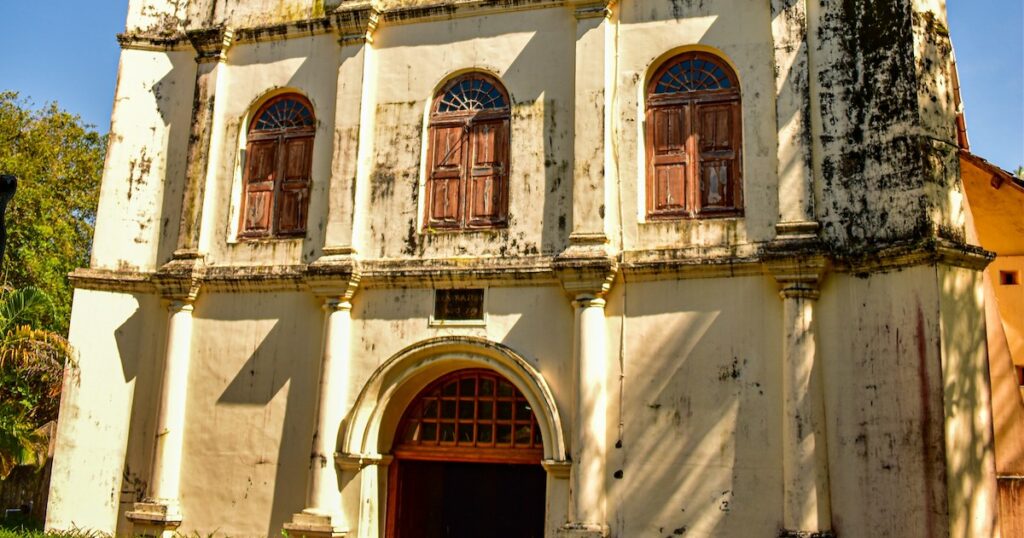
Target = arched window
(467,185)
(470,415)
(693,139)
(278,160)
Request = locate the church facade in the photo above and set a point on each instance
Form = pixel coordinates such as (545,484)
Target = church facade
(530,268)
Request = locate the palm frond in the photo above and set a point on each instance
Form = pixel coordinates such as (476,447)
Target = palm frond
(24,306)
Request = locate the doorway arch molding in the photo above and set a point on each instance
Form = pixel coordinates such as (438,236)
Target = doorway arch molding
(369,429)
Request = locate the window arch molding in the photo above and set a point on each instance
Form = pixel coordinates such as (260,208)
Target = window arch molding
(693,137)
(467,154)
(277,168)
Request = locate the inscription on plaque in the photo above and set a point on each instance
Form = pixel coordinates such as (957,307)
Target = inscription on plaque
(459,305)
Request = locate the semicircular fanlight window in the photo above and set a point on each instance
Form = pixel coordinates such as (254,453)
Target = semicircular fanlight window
(470,409)
(693,74)
(288,113)
(472,94)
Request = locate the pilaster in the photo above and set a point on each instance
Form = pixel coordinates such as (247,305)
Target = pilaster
(587,280)
(793,109)
(354,24)
(798,263)
(211,46)
(324,515)
(160,513)
(593,191)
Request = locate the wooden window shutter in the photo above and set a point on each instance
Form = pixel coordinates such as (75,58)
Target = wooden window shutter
(444,186)
(488,173)
(293,197)
(717,142)
(260,169)
(667,178)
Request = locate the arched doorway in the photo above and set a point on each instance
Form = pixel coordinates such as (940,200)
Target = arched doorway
(468,453)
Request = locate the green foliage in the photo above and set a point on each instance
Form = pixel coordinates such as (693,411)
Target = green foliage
(59,162)
(1019,172)
(31,374)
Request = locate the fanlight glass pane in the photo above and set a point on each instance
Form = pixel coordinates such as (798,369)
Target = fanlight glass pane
(463,410)
(284,114)
(472,94)
(693,74)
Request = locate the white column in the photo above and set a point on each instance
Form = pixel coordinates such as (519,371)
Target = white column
(807,508)
(324,496)
(160,513)
(587,508)
(170,423)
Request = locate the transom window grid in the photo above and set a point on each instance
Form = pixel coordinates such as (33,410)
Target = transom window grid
(471,415)
(278,165)
(468,156)
(693,143)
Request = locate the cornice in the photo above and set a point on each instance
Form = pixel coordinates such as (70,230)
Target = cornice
(115,280)
(353,22)
(340,276)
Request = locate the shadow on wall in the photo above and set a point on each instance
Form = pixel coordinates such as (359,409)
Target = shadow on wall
(174,88)
(967,402)
(695,420)
(141,342)
(244,434)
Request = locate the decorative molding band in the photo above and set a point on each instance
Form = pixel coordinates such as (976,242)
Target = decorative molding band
(354,22)
(462,9)
(341,275)
(114,280)
(152,42)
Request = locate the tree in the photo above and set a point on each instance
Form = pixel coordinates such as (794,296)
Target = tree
(32,363)
(58,161)
(1019,172)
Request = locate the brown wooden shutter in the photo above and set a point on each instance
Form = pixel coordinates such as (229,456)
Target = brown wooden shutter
(717,130)
(293,198)
(487,190)
(261,164)
(444,196)
(667,132)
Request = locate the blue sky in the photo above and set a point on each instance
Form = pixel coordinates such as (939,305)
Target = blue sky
(65,51)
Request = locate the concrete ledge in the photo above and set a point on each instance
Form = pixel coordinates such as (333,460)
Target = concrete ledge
(304,524)
(582,530)
(154,519)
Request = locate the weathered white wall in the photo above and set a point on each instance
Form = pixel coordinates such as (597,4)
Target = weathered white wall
(140,200)
(104,437)
(699,408)
(695,360)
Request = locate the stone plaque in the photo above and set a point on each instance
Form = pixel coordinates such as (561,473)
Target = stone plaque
(459,305)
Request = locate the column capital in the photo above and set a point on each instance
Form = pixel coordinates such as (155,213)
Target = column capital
(557,468)
(356,23)
(181,279)
(797,259)
(211,44)
(585,276)
(589,9)
(334,277)
(586,300)
(358,462)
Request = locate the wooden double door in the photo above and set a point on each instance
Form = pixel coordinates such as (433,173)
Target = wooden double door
(467,462)
(448,499)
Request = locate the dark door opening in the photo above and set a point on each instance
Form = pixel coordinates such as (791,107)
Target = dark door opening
(445,499)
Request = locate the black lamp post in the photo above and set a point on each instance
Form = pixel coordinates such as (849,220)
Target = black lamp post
(8,184)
